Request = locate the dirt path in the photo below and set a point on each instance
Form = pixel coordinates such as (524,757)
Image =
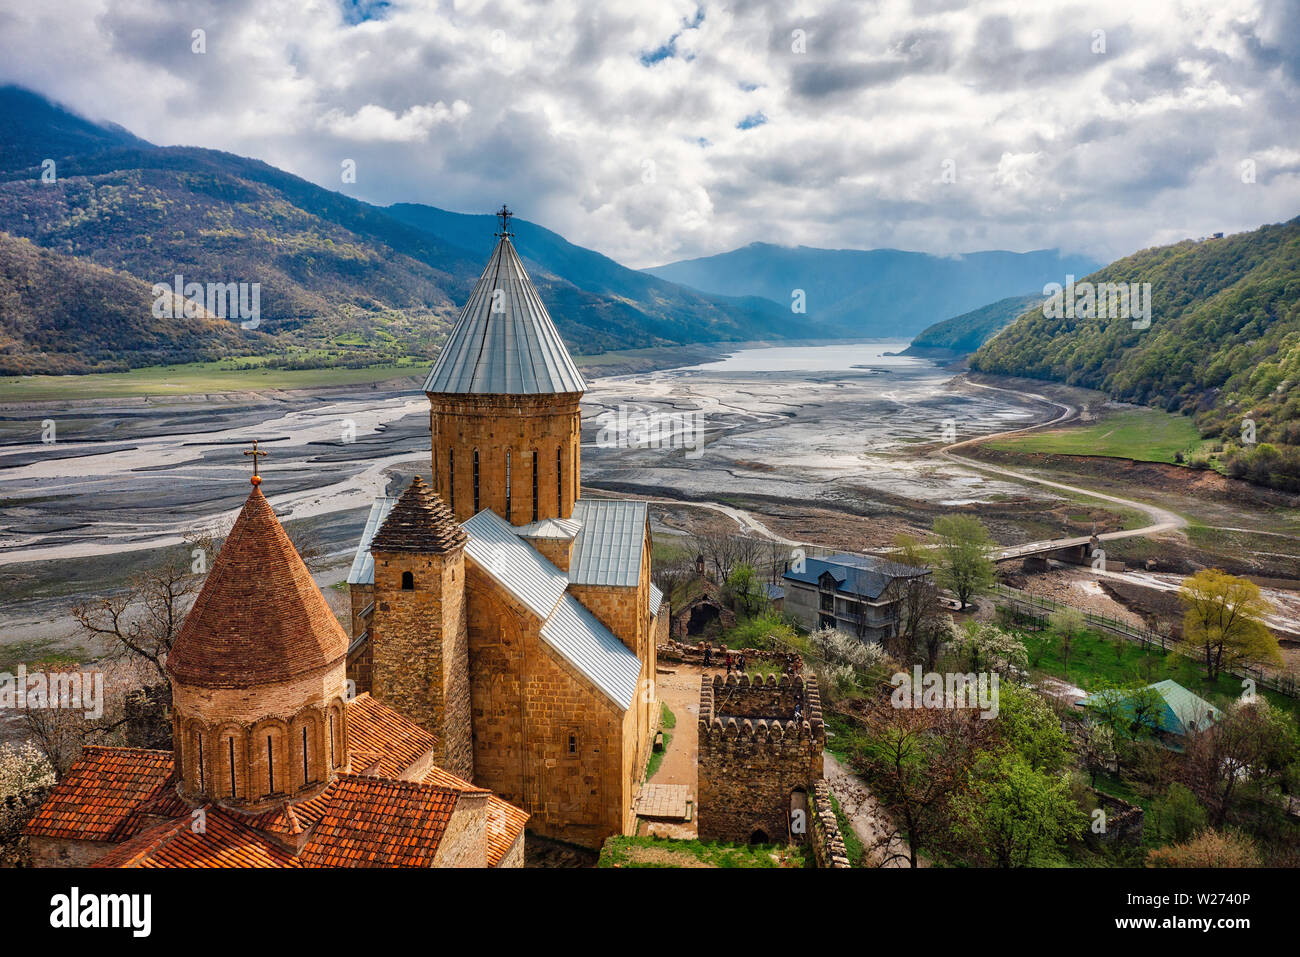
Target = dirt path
(865,815)
(1162,519)
(678,687)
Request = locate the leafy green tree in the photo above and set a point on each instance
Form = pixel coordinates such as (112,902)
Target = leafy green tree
(1015,814)
(961,556)
(1179,815)
(1027,724)
(744,585)
(1223,622)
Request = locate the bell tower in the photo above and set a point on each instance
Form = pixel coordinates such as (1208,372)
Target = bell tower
(419,638)
(503,399)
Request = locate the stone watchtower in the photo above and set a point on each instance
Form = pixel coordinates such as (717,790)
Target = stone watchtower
(760,757)
(257,672)
(418,635)
(503,401)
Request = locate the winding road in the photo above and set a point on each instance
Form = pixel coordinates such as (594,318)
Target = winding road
(1162,520)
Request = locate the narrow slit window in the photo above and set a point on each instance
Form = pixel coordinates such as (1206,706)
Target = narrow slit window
(270,766)
(333,761)
(306,775)
(476,481)
(451,478)
(200,738)
(559,481)
(534,485)
(507,485)
(232,768)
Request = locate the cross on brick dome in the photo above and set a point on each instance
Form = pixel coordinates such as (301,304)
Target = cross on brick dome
(419,522)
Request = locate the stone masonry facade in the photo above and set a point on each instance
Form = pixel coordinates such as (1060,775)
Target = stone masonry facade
(419,646)
(757,760)
(491,432)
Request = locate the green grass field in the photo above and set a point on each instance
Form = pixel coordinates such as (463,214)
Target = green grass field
(192,378)
(660,852)
(1147,435)
(1095,658)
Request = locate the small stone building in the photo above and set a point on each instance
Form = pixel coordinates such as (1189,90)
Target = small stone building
(760,757)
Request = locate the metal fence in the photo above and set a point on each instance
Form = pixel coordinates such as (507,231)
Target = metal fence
(1040,608)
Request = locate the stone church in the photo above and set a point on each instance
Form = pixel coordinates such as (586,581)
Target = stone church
(514,620)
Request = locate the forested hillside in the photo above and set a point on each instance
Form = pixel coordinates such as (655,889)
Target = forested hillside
(1223,345)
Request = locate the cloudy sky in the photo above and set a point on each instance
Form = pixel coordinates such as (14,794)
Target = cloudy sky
(654,130)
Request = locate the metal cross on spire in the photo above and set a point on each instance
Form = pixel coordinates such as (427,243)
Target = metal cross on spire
(255,452)
(505,214)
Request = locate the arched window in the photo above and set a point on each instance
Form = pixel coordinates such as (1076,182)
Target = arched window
(230,754)
(476,481)
(534,485)
(408,581)
(507,485)
(306,772)
(270,765)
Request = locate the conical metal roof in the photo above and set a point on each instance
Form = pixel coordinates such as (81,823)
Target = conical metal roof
(504,342)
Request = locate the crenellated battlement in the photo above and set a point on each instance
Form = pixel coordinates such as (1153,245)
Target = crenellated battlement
(761,742)
(770,709)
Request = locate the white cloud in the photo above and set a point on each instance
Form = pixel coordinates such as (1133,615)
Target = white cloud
(556,108)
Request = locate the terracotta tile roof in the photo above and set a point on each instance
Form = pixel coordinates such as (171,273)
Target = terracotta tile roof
(375,729)
(223,842)
(439,777)
(115,794)
(260,617)
(375,822)
(104,795)
(505,823)
(419,522)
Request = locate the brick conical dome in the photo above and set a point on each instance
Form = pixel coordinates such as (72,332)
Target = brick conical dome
(259,618)
(419,522)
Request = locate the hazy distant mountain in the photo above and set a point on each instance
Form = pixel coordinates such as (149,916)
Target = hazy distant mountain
(575,278)
(877,292)
(341,281)
(967,332)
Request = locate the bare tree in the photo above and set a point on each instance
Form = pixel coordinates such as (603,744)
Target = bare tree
(919,759)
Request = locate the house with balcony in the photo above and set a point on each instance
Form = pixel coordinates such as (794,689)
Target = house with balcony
(860,595)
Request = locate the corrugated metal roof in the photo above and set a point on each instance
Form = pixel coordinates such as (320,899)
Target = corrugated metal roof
(1183,712)
(363,565)
(561,528)
(608,550)
(656,599)
(863,576)
(594,650)
(512,562)
(504,342)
